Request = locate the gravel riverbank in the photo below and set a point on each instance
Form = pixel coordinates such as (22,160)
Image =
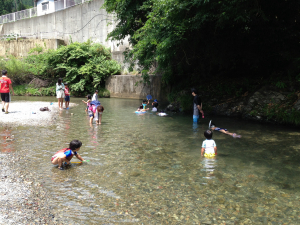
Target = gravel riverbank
(22,198)
(28,113)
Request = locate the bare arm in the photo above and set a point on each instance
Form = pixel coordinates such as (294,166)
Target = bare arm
(202,151)
(215,148)
(79,157)
(200,107)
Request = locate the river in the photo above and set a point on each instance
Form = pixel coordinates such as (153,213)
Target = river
(146,169)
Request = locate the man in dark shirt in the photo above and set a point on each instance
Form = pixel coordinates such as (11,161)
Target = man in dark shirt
(197,105)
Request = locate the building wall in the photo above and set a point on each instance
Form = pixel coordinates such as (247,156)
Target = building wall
(20,48)
(79,23)
(39,7)
(131,86)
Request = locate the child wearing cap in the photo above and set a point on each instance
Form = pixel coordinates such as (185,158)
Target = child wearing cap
(154,105)
(67,95)
(66,154)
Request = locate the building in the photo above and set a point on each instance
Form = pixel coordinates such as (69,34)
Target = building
(49,6)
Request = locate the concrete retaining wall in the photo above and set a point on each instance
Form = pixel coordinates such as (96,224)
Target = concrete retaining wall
(80,22)
(20,48)
(129,86)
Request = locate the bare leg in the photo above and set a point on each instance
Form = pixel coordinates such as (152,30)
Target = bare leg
(100,118)
(61,102)
(3,104)
(6,106)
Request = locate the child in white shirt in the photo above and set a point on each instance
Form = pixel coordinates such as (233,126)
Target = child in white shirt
(209,147)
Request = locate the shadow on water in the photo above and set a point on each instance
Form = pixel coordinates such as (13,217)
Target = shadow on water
(147,169)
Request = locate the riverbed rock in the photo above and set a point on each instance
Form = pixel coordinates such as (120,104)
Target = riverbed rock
(252,106)
(297,105)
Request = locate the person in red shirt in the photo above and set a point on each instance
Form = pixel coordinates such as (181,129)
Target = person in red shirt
(5,87)
(67,96)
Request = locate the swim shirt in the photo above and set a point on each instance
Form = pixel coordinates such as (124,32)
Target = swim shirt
(209,145)
(67,91)
(218,129)
(95,97)
(4,82)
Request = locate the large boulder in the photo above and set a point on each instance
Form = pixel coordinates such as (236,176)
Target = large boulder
(297,105)
(38,83)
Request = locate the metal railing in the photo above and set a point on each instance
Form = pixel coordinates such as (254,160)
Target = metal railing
(32,12)
(24,14)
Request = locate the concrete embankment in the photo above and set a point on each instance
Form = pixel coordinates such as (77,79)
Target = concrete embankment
(132,86)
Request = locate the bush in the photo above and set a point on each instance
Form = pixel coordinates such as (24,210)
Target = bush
(85,66)
(17,70)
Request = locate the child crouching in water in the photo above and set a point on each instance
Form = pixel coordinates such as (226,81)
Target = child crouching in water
(66,154)
(98,114)
(209,147)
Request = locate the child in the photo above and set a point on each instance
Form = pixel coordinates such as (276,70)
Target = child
(209,147)
(223,130)
(66,154)
(87,102)
(95,96)
(67,96)
(142,109)
(155,105)
(98,114)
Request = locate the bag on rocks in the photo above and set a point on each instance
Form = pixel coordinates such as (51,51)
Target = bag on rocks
(45,109)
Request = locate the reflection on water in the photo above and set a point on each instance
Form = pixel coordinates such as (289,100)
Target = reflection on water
(209,166)
(148,170)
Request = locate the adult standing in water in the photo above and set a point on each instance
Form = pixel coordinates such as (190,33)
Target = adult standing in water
(197,105)
(60,93)
(95,96)
(5,87)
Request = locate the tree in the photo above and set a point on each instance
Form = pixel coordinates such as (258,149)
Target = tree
(196,39)
(9,6)
(6,6)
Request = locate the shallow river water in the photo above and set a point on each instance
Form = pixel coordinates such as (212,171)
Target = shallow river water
(146,169)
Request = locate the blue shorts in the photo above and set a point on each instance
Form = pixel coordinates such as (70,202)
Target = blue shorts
(195,118)
(91,114)
(67,98)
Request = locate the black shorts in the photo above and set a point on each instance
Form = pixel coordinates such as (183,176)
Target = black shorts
(5,97)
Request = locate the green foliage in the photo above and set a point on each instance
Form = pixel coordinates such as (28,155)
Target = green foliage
(50,91)
(18,70)
(9,6)
(282,114)
(280,84)
(85,66)
(195,40)
(22,90)
(103,93)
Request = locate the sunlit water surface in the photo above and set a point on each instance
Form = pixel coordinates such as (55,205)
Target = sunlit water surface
(146,169)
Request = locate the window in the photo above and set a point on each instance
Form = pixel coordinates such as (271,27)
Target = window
(45,6)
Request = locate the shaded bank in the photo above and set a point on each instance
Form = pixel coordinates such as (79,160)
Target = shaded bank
(263,103)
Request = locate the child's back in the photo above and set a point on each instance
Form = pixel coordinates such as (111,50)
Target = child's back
(209,147)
